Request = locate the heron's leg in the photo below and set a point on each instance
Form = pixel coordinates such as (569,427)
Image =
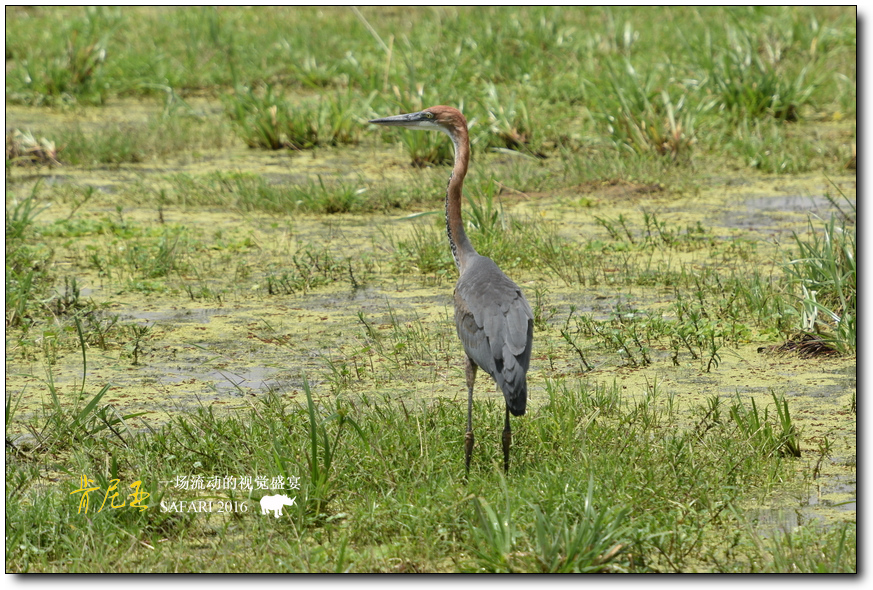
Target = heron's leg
(507,441)
(470,371)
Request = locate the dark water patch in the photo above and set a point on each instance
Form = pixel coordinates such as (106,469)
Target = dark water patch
(199,315)
(774,210)
(787,203)
(47,179)
(826,503)
(235,381)
(838,492)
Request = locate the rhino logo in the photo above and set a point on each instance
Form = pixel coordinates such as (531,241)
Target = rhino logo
(275,504)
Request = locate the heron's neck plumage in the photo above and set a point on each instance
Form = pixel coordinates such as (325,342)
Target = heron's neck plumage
(462,249)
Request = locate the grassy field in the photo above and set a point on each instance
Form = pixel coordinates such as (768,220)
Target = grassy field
(223,284)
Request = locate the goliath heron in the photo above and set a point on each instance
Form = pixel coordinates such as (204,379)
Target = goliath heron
(493,319)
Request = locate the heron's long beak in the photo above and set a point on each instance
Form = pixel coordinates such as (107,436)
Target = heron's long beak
(407,120)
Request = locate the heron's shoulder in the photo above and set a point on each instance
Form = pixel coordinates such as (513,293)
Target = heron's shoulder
(482,282)
(479,268)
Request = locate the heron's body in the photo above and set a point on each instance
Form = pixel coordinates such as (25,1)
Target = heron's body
(493,319)
(495,324)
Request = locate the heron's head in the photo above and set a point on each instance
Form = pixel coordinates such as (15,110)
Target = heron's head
(438,118)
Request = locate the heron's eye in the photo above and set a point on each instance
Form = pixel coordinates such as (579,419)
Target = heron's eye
(428,115)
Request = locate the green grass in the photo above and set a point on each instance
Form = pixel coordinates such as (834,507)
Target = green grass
(825,270)
(675,87)
(382,488)
(69,69)
(27,278)
(160,137)
(178,131)
(311,268)
(264,119)
(249,192)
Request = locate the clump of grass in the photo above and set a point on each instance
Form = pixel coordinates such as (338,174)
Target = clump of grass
(497,534)
(511,242)
(265,119)
(543,310)
(27,261)
(321,453)
(644,120)
(336,197)
(313,267)
(783,440)
(688,328)
(31,299)
(834,550)
(65,421)
(576,541)
(509,123)
(427,149)
(748,78)
(767,145)
(826,273)
(425,250)
(72,75)
(405,342)
(144,259)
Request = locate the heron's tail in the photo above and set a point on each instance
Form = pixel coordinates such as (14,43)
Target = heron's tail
(516,399)
(510,373)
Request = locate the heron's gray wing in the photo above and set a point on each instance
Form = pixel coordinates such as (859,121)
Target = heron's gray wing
(472,334)
(495,323)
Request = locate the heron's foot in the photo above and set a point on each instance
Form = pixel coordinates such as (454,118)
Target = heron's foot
(507,442)
(468,448)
